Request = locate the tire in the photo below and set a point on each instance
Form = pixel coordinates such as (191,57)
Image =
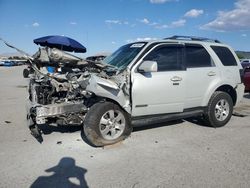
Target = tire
(219,109)
(106,123)
(26,73)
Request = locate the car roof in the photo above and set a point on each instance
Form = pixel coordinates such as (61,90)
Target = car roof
(188,39)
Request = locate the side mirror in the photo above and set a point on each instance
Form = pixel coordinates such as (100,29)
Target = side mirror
(148,66)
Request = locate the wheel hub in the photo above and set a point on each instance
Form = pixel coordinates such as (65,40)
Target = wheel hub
(221,110)
(112,124)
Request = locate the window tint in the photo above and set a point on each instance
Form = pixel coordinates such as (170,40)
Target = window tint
(168,58)
(225,55)
(197,56)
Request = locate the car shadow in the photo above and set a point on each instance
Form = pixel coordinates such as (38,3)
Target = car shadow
(197,121)
(48,129)
(65,174)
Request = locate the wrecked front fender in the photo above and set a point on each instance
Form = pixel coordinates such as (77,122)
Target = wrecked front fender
(109,89)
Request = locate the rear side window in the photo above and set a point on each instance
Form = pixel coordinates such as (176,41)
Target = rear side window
(197,56)
(225,55)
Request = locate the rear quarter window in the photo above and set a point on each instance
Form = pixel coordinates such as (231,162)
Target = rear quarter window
(225,55)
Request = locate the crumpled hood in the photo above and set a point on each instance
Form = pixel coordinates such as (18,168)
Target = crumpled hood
(109,89)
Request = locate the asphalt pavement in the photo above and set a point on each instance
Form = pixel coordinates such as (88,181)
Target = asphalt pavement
(175,154)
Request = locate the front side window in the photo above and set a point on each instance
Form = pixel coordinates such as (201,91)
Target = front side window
(197,56)
(168,58)
(225,55)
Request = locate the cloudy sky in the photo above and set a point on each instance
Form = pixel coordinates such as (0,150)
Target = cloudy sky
(104,25)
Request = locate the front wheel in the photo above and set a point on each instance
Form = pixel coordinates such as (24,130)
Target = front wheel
(106,123)
(26,73)
(219,109)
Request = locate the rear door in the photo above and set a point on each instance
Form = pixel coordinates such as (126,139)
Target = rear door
(202,75)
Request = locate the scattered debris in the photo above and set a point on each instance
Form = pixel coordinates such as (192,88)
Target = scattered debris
(59,142)
(91,156)
(7,121)
(156,141)
(24,140)
(78,139)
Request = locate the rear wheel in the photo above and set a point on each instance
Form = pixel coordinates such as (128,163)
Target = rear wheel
(106,123)
(219,109)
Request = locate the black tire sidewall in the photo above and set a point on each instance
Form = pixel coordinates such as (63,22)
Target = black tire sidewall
(92,120)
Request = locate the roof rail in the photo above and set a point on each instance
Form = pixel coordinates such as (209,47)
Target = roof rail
(178,37)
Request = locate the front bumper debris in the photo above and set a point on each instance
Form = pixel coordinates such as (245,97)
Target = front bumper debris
(40,113)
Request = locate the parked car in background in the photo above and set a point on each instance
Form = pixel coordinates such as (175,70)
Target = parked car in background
(9,63)
(246,74)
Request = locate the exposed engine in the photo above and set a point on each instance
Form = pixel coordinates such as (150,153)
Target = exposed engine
(60,96)
(63,88)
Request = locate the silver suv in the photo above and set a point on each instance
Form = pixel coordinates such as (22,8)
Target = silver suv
(140,83)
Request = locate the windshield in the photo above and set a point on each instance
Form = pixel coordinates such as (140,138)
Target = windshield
(124,55)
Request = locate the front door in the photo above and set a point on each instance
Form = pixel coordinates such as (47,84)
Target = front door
(162,91)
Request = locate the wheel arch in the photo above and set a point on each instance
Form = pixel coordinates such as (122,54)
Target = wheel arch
(229,90)
(104,99)
(225,88)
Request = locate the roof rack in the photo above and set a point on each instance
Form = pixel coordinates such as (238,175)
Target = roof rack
(193,38)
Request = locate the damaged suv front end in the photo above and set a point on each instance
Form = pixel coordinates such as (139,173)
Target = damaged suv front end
(65,96)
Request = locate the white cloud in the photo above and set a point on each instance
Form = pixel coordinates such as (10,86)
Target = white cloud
(35,24)
(178,23)
(144,20)
(113,22)
(164,26)
(153,24)
(244,35)
(117,22)
(113,42)
(160,1)
(140,39)
(193,13)
(157,25)
(236,19)
(73,23)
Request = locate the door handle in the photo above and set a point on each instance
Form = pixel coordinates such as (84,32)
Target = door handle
(176,79)
(211,73)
